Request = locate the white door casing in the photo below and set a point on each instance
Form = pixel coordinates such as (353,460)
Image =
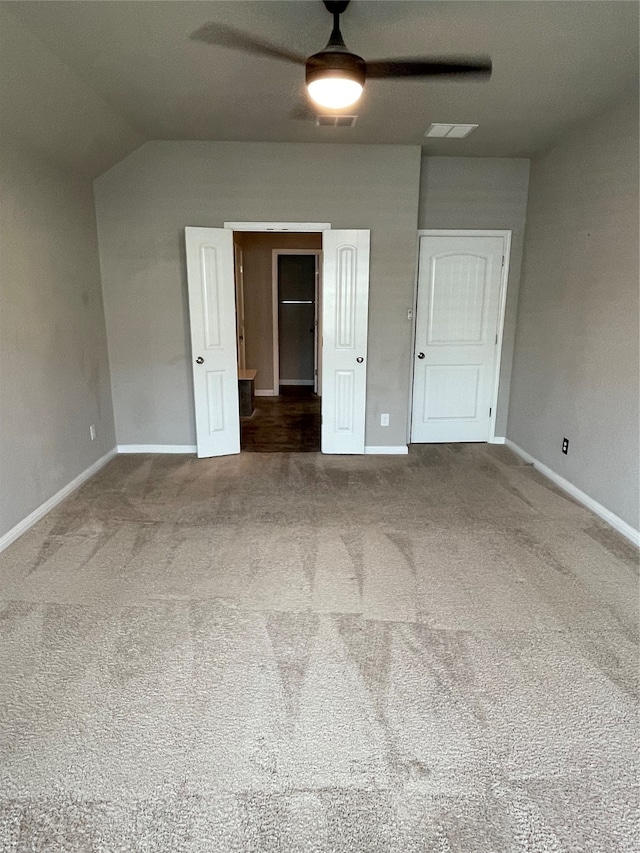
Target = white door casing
(458,332)
(211,284)
(239,278)
(317,336)
(345,303)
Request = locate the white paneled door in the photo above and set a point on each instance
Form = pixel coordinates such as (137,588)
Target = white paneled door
(345,303)
(457,334)
(212,312)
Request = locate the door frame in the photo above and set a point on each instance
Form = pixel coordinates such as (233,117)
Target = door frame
(238,271)
(275,253)
(295,227)
(284,227)
(502,304)
(304,227)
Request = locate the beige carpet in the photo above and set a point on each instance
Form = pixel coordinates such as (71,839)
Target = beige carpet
(305,654)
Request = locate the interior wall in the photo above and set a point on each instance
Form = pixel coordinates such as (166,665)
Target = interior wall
(143,205)
(54,372)
(575,370)
(257,248)
(483,193)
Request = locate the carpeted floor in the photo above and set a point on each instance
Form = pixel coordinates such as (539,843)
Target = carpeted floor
(295,653)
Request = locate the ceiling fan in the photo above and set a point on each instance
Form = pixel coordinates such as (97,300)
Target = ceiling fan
(335,76)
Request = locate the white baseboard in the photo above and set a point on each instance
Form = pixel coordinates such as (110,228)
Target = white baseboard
(22,526)
(398,450)
(265,393)
(583,498)
(296,382)
(157,448)
(497,439)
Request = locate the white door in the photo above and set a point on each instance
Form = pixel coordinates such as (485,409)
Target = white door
(345,304)
(213,339)
(455,359)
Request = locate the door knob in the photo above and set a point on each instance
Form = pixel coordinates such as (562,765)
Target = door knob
(420,355)
(359,359)
(199,360)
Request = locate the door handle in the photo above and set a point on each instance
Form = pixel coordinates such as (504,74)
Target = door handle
(359,359)
(420,355)
(199,360)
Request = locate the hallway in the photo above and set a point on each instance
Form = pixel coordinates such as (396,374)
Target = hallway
(288,423)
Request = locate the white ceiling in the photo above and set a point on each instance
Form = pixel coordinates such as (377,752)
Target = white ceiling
(555,63)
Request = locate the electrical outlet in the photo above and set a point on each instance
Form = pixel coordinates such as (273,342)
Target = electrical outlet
(565,445)
(92,432)
(384,420)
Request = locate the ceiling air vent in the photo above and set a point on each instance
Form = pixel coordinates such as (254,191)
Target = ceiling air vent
(336,121)
(450,131)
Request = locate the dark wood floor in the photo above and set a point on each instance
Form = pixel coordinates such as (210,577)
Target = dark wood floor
(287,423)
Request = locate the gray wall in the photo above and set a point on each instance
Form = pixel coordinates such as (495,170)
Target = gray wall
(143,205)
(575,370)
(54,373)
(471,192)
(257,262)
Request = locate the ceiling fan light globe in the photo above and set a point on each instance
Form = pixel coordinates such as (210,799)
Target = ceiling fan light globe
(334,93)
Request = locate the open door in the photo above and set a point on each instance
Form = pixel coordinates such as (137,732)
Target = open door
(345,305)
(211,283)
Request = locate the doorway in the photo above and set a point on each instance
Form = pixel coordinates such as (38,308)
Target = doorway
(214,326)
(462,282)
(290,421)
(281,295)
(296,296)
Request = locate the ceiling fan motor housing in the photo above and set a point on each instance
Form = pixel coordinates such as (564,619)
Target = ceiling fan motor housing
(335,63)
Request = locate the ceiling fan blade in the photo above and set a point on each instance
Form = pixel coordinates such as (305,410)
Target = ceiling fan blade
(478,67)
(225,36)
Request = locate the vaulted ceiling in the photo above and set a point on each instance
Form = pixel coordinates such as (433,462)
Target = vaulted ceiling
(86,82)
